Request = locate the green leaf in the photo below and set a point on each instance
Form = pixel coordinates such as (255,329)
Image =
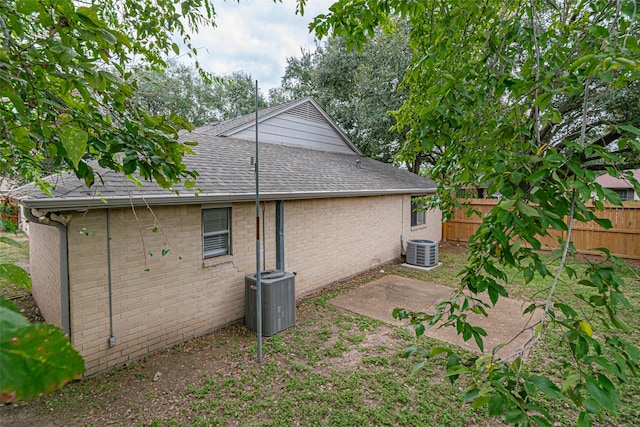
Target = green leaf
(437,350)
(592,406)
(543,100)
(584,420)
(130,166)
(15,275)
(480,402)
(631,129)
(74,141)
(418,366)
(497,405)
(546,386)
(18,103)
(540,421)
(34,358)
(9,305)
(515,416)
(598,394)
(27,6)
(527,210)
(10,241)
(493,295)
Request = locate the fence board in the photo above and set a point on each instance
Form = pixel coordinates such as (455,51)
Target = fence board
(8,211)
(623,239)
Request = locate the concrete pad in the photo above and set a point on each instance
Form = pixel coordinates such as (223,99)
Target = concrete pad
(417,267)
(377,299)
(505,324)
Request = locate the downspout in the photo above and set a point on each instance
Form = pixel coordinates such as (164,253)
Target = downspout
(112,338)
(280,235)
(65,317)
(402,252)
(264,239)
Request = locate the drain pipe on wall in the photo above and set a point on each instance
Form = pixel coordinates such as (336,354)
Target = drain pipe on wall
(60,224)
(402,252)
(112,338)
(280,235)
(264,240)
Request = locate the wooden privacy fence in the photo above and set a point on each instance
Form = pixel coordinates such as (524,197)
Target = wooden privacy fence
(8,211)
(623,239)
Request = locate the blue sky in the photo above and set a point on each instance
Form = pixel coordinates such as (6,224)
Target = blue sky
(256,36)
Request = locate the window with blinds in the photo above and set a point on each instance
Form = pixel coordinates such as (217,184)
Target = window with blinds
(417,211)
(216,239)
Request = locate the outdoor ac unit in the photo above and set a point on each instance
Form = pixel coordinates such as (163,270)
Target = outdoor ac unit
(278,301)
(423,253)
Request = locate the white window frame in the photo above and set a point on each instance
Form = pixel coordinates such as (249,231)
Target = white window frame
(418,217)
(214,233)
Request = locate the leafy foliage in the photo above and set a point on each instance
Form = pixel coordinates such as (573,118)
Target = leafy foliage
(66,87)
(183,91)
(535,99)
(34,358)
(66,104)
(357,89)
(236,95)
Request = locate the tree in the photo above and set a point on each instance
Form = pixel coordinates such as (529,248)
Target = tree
(236,94)
(536,99)
(66,101)
(179,90)
(297,81)
(357,89)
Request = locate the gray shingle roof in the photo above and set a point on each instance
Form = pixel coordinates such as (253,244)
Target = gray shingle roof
(226,175)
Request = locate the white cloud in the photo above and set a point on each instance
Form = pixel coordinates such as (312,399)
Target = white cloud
(257,37)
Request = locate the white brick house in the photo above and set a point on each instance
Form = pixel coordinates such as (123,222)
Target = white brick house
(172,266)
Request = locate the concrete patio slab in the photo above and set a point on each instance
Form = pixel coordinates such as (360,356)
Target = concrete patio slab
(377,299)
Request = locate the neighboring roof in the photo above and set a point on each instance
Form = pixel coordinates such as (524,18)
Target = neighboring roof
(607,181)
(227,175)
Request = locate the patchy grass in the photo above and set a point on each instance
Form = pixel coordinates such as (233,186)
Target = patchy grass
(334,368)
(18,255)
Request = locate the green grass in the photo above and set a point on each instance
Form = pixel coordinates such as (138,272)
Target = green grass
(10,254)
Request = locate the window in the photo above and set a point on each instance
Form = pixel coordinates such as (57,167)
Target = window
(623,194)
(417,213)
(215,232)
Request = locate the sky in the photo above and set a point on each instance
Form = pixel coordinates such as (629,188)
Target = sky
(257,37)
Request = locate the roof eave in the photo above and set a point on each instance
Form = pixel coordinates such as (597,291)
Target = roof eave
(81,204)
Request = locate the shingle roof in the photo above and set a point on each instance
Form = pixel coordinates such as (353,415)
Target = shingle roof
(226,175)
(607,181)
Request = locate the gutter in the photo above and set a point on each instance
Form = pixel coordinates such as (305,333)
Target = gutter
(47,219)
(82,203)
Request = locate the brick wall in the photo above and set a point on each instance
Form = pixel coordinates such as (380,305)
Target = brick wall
(329,239)
(44,266)
(160,300)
